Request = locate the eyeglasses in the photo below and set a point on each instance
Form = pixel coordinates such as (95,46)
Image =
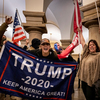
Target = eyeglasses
(46,44)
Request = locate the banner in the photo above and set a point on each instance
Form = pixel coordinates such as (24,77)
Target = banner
(25,75)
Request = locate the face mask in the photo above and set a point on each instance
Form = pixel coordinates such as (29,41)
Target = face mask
(58,49)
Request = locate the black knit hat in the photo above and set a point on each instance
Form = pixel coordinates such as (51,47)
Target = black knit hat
(35,43)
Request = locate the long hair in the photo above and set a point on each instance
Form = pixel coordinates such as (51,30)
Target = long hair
(97,46)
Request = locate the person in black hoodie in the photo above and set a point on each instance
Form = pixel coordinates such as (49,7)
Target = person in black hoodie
(44,51)
(35,43)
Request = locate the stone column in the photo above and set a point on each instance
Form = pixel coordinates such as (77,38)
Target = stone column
(35,24)
(90,20)
(65,43)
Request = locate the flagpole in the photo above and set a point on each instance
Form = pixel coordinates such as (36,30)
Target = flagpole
(3,12)
(78,27)
(79,39)
(79,47)
(97,13)
(20,21)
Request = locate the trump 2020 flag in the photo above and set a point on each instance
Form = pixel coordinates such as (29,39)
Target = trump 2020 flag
(77,17)
(25,75)
(18,33)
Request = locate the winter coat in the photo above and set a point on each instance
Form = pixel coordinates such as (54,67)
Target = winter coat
(38,52)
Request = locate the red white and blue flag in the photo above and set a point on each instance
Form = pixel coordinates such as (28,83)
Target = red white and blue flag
(77,17)
(77,24)
(18,33)
(25,75)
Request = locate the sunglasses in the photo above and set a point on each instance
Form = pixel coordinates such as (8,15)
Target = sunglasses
(45,44)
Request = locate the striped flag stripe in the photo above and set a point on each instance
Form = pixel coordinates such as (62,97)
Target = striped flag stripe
(18,28)
(20,38)
(19,33)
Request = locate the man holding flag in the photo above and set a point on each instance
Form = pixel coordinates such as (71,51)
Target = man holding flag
(18,33)
(3,27)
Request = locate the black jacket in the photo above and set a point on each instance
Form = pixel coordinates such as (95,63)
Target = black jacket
(38,53)
(68,59)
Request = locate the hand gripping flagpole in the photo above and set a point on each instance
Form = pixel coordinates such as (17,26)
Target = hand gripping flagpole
(97,13)
(20,21)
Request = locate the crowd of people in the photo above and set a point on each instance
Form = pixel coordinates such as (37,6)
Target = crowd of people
(89,69)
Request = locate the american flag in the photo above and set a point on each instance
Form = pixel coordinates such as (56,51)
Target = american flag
(77,17)
(18,33)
